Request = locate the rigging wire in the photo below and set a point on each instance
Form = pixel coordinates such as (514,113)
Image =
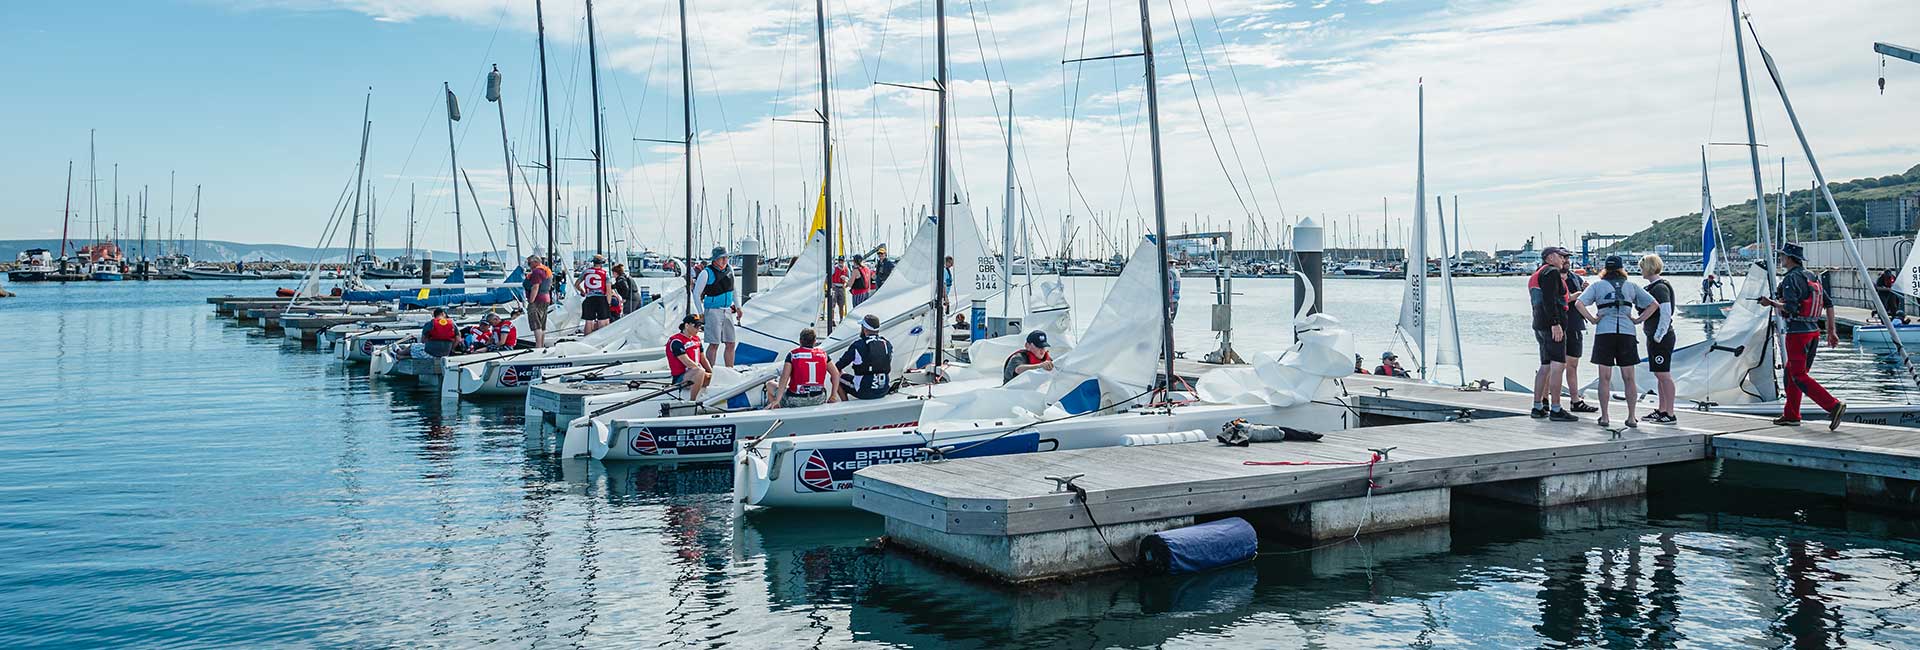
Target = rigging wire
(1205,124)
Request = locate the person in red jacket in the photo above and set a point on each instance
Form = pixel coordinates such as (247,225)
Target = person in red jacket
(500,333)
(806,376)
(684,361)
(439,333)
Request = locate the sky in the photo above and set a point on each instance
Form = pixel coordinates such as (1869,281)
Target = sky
(1546,118)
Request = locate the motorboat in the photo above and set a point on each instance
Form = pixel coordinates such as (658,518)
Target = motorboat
(1361,268)
(33,265)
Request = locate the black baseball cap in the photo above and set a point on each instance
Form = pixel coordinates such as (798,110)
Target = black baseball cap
(1037,339)
(690,319)
(1614,262)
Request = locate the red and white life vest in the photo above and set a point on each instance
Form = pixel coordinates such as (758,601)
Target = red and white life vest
(807,371)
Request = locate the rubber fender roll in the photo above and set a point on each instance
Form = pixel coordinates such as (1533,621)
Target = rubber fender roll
(1200,547)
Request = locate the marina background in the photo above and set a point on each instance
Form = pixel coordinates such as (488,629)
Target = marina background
(254,493)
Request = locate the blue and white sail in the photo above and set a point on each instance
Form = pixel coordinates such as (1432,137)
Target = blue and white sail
(1709,231)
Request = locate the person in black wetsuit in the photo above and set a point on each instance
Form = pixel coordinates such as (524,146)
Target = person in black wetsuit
(867,365)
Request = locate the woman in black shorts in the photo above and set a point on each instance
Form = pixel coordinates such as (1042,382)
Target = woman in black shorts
(1660,338)
(1618,308)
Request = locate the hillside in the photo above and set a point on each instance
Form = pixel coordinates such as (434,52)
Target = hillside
(1736,221)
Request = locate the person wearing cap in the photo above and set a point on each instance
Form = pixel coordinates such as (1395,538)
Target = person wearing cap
(1033,355)
(538,289)
(721,310)
(837,290)
(1548,289)
(500,333)
(1708,286)
(861,284)
(595,309)
(1802,301)
(1618,308)
(882,266)
(1359,365)
(1390,366)
(624,293)
(867,365)
(684,362)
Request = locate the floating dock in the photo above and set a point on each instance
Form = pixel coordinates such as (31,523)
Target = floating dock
(1012,518)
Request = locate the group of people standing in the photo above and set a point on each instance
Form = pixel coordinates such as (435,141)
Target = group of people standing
(1565,304)
(853,278)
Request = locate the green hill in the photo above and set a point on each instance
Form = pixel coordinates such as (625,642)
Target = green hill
(1736,221)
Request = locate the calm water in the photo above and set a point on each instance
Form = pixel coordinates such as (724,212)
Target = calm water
(168,479)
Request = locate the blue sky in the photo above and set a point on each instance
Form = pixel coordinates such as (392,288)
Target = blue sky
(1586,113)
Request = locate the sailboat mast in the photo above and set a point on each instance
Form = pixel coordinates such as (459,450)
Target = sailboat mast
(66,217)
(506,154)
(93,192)
(1753,147)
(940,271)
(546,136)
(360,173)
(599,142)
(686,161)
(195,253)
(1418,262)
(1006,223)
(453,174)
(1159,195)
(826,144)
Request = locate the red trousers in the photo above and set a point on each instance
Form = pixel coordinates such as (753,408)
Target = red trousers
(1799,361)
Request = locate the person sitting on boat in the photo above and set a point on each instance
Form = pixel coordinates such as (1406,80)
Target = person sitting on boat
(1358,365)
(439,333)
(1889,300)
(596,309)
(684,361)
(1802,300)
(867,365)
(1033,355)
(1708,286)
(500,333)
(1390,366)
(473,338)
(805,376)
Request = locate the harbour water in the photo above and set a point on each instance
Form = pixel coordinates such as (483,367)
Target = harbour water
(170,479)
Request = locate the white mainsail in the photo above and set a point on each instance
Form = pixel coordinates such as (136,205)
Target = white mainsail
(1412,326)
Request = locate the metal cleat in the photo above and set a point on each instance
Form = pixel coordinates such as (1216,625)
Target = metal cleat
(1383,452)
(1062,483)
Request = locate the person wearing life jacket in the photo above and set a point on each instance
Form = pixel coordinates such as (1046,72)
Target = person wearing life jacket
(720,311)
(624,294)
(837,290)
(595,308)
(684,361)
(1390,366)
(867,365)
(1802,301)
(861,284)
(538,288)
(500,333)
(1618,307)
(1548,289)
(882,266)
(1031,357)
(1660,338)
(1708,287)
(1576,336)
(1359,369)
(439,333)
(806,376)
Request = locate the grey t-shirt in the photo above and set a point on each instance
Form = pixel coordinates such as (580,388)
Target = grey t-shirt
(1615,310)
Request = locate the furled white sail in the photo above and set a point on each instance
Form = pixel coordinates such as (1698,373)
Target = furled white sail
(1731,366)
(1447,350)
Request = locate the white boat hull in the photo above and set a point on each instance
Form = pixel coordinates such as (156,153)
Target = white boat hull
(1716,309)
(714,436)
(512,374)
(817,471)
(1879,339)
